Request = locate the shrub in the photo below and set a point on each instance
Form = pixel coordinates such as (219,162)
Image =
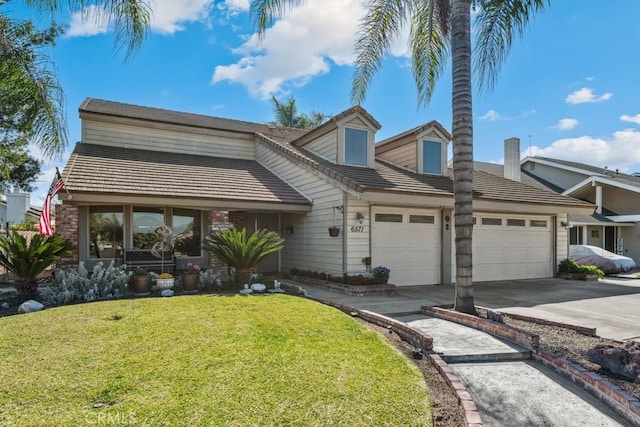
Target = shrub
(28,260)
(240,251)
(73,285)
(568,266)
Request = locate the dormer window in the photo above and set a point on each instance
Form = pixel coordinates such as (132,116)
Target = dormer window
(431,157)
(356,147)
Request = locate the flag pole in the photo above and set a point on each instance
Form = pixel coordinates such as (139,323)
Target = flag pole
(64,184)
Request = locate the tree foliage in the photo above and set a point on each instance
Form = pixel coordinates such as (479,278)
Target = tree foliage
(28,259)
(287,115)
(243,253)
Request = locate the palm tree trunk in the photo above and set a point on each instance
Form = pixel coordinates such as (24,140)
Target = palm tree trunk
(462,152)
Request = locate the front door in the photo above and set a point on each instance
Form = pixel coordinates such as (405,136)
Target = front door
(610,239)
(270,221)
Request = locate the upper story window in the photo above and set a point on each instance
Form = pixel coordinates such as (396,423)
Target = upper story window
(355,147)
(431,157)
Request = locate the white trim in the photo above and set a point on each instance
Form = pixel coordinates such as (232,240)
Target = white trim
(592,180)
(625,218)
(559,166)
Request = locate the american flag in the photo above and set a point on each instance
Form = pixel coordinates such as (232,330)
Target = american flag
(45,217)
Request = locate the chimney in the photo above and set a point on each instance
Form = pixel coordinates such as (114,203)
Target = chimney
(512,159)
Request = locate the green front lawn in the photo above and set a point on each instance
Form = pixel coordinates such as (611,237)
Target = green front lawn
(203,360)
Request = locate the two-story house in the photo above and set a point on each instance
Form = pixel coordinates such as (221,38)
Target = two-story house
(137,168)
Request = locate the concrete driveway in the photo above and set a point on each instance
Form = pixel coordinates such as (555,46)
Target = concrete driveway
(611,305)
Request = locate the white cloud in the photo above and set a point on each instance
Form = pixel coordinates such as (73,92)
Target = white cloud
(310,39)
(586,94)
(92,20)
(566,124)
(167,16)
(632,119)
(492,116)
(240,5)
(621,151)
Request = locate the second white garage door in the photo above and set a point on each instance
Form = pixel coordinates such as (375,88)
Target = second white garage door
(407,242)
(511,247)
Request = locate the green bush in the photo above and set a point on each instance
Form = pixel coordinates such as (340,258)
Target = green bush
(242,252)
(568,266)
(28,260)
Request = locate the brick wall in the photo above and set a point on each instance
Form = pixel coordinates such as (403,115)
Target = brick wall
(237,219)
(67,226)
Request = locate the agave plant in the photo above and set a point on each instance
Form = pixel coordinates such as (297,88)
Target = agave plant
(28,260)
(243,253)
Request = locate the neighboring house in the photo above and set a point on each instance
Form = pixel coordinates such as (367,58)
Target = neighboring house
(615,222)
(137,168)
(16,209)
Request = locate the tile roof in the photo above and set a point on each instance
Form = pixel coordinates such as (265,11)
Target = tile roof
(525,176)
(391,178)
(102,169)
(417,131)
(118,109)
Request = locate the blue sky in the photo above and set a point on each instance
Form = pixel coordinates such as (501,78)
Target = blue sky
(569,88)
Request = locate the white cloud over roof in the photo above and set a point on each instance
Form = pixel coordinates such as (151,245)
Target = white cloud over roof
(167,16)
(306,42)
(633,119)
(585,95)
(566,124)
(621,150)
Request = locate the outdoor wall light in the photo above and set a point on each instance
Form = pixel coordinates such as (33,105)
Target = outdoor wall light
(360,217)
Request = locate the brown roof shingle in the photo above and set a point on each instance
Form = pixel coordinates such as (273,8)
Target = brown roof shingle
(103,169)
(388,177)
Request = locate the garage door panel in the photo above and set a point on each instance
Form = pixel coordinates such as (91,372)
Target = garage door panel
(411,250)
(510,252)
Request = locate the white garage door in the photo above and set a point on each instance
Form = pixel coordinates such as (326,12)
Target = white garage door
(511,247)
(407,242)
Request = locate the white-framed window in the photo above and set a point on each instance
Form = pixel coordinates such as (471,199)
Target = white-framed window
(356,151)
(431,157)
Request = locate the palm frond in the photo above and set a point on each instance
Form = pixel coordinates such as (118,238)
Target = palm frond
(429,41)
(234,248)
(130,19)
(266,11)
(378,29)
(496,24)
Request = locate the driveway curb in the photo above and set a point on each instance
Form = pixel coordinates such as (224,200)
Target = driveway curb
(610,394)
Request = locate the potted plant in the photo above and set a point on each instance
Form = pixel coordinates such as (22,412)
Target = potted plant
(141,282)
(381,274)
(190,278)
(165,281)
(334,231)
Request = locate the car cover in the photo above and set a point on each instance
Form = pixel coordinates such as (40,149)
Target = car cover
(606,261)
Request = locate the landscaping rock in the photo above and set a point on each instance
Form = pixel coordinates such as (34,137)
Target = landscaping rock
(258,287)
(167,293)
(623,360)
(5,305)
(30,306)
(246,290)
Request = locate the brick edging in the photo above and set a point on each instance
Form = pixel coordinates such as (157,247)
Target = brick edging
(613,396)
(582,329)
(418,340)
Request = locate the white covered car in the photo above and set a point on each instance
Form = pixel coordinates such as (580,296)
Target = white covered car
(606,261)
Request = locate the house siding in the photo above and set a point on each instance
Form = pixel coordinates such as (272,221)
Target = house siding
(562,240)
(405,156)
(309,247)
(358,235)
(185,140)
(326,146)
(560,177)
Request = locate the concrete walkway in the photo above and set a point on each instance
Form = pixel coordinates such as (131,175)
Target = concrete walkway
(508,389)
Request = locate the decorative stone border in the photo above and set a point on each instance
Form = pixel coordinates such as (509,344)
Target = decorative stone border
(353,290)
(613,396)
(416,339)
